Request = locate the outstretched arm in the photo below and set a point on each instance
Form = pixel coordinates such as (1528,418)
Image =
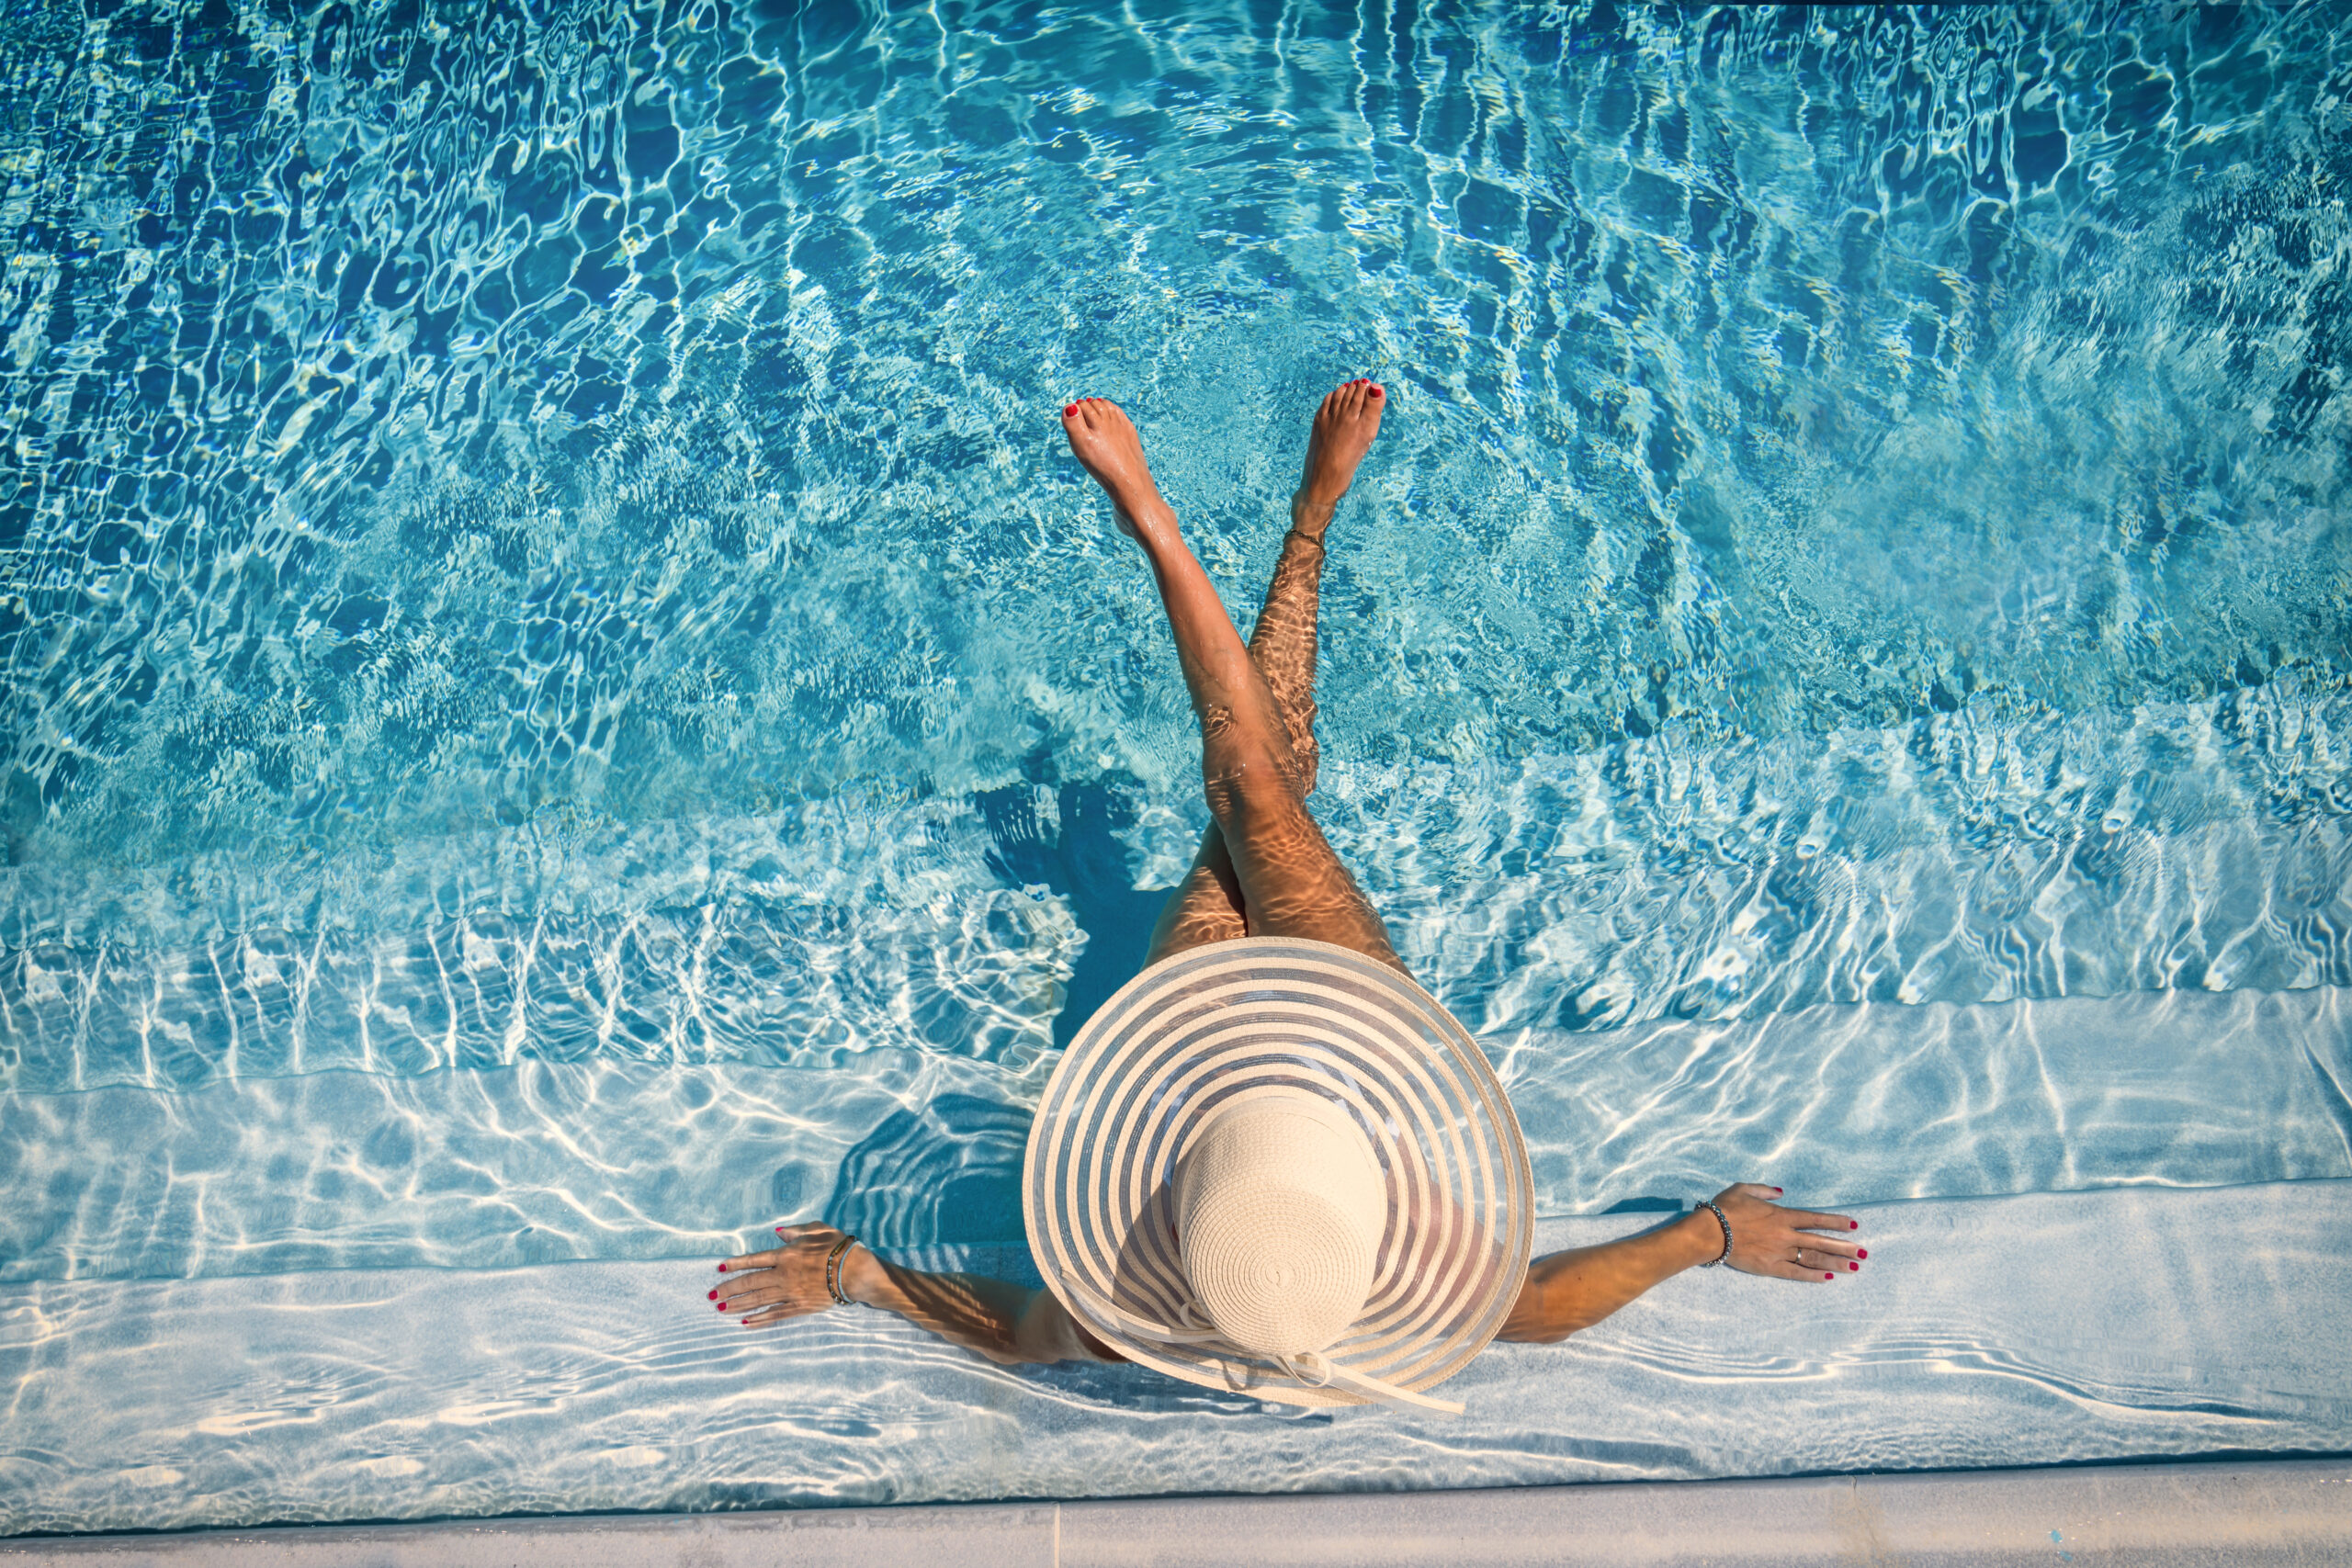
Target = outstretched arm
(1007,1323)
(1575,1289)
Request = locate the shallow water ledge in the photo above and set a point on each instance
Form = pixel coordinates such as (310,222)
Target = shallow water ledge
(2282,1511)
(2069,1329)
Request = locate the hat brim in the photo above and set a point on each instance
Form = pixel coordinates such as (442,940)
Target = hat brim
(1230,1020)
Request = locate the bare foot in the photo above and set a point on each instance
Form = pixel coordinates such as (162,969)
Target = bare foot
(1343,430)
(1107,447)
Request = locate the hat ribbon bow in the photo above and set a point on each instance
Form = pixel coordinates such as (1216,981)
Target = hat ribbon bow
(1311,1368)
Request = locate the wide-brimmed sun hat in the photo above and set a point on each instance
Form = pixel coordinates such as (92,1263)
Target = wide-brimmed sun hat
(1279,1167)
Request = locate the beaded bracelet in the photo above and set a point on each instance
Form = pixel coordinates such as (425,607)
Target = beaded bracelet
(1725,1255)
(833,1271)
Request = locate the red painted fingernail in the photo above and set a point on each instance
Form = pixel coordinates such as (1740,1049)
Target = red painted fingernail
(1776,1193)
(722,1306)
(1854,1268)
(1853,1224)
(1861,1252)
(1070,411)
(1829,1276)
(722,1267)
(712,1297)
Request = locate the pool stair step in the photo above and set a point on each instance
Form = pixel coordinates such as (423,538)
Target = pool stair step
(2041,1329)
(547,1161)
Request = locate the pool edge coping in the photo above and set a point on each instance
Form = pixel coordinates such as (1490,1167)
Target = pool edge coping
(2288,1510)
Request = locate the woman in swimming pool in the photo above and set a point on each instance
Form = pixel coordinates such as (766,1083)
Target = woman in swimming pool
(1286,1213)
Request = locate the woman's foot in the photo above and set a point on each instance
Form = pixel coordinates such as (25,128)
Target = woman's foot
(1343,433)
(1106,446)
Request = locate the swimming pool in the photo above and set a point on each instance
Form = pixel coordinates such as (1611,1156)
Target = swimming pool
(565,702)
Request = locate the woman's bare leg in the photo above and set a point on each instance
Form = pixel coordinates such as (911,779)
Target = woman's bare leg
(1206,906)
(1280,873)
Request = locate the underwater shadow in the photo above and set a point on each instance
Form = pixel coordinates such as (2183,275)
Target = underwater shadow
(1081,858)
(946,1173)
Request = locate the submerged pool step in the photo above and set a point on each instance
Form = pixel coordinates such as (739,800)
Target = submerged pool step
(2031,1330)
(547,1161)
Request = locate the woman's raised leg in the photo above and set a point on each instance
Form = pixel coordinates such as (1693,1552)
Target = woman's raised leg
(1264,860)
(1206,906)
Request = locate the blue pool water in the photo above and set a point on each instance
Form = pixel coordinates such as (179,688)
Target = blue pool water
(564,700)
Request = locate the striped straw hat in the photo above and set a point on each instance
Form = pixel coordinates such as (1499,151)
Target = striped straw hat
(1279,1166)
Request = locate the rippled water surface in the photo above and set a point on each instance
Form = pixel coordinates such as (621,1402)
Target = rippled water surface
(535,544)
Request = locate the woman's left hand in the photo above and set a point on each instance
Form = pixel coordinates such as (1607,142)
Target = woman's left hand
(1784,1243)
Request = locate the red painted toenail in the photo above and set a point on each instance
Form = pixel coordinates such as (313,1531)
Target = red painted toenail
(1376,391)
(1861,1252)
(1071,412)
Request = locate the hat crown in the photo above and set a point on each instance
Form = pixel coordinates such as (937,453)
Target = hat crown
(1281,1206)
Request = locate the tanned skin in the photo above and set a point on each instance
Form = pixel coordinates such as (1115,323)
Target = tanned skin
(1264,869)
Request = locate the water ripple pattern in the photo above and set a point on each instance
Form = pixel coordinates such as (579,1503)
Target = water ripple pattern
(561,696)
(425,419)
(561,701)
(338,1397)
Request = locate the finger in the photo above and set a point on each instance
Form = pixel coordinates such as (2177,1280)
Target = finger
(787,1238)
(751,1260)
(752,1300)
(1835,1248)
(1782,1269)
(1805,1220)
(1819,1260)
(777,1314)
(1756,1189)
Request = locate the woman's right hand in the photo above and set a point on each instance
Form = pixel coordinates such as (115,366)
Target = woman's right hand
(789,1280)
(1783,1243)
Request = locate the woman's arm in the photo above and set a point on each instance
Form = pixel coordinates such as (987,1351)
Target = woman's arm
(1573,1290)
(1007,1323)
